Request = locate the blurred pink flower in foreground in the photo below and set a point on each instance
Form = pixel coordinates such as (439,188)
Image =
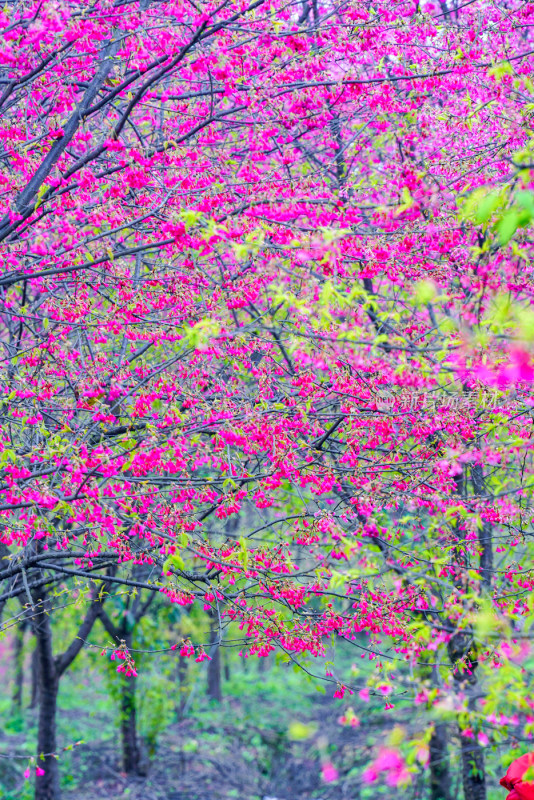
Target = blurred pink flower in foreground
(388,765)
(329,773)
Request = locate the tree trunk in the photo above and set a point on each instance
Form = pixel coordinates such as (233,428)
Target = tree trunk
(18,665)
(264,664)
(50,671)
(484,535)
(130,746)
(35,685)
(182,679)
(214,676)
(440,782)
(461,646)
(133,759)
(47,785)
(214,666)
(473,775)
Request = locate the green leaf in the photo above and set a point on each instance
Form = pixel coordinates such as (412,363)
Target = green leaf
(299,731)
(500,70)
(486,207)
(175,561)
(190,217)
(526,201)
(41,193)
(425,292)
(243,552)
(526,323)
(508,226)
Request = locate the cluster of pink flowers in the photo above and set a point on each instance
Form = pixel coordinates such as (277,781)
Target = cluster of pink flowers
(126,663)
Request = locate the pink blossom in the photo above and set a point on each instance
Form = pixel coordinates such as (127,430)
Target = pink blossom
(329,773)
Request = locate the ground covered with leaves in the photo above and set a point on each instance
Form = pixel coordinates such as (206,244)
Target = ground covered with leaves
(274,736)
(271,737)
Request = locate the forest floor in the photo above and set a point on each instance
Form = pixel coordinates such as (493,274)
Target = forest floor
(267,740)
(222,754)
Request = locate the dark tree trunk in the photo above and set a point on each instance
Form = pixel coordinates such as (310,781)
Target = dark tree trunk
(463,654)
(182,679)
(214,666)
(264,664)
(129,741)
(35,683)
(130,745)
(134,757)
(47,785)
(473,774)
(18,667)
(484,535)
(440,782)
(50,670)
(214,676)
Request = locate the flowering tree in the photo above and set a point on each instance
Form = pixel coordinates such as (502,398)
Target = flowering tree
(270,260)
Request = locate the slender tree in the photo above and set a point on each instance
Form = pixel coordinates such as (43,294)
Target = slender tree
(51,669)
(122,634)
